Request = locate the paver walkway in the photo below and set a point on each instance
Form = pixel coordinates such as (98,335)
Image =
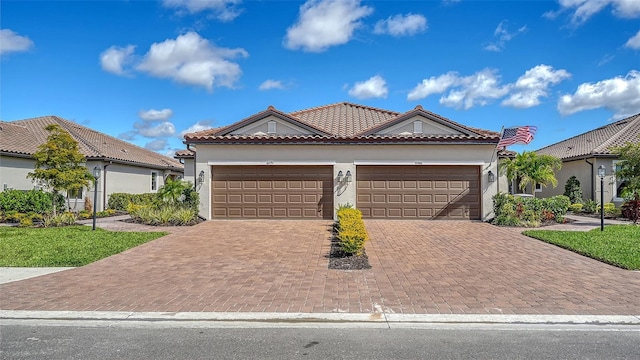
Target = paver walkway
(281,266)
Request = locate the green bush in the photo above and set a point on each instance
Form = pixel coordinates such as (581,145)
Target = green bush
(26,222)
(120,201)
(163,215)
(590,207)
(64,219)
(573,191)
(352,234)
(510,210)
(36,201)
(576,208)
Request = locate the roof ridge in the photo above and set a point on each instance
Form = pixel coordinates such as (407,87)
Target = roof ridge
(630,123)
(66,124)
(344,103)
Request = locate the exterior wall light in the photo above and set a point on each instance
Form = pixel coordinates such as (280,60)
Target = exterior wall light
(491,176)
(347,177)
(340,176)
(201,177)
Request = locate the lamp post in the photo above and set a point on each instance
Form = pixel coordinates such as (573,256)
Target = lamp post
(601,173)
(96,176)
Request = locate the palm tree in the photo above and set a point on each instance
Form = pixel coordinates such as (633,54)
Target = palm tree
(531,168)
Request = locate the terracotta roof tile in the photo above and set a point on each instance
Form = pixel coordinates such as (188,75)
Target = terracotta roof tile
(24,137)
(343,122)
(598,141)
(186,153)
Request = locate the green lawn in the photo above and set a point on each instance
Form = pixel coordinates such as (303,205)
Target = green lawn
(617,245)
(64,246)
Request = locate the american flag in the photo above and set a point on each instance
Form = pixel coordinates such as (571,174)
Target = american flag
(515,135)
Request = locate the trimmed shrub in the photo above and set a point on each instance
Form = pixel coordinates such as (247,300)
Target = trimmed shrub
(510,210)
(352,234)
(120,201)
(576,208)
(37,201)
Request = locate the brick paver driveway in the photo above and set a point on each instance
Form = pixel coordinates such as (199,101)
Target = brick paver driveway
(418,267)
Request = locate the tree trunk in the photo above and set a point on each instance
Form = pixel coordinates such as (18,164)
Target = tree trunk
(55,197)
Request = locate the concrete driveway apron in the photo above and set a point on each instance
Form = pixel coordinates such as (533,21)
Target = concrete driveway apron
(281,266)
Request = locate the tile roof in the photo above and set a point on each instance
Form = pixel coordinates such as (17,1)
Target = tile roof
(22,137)
(343,123)
(599,141)
(185,154)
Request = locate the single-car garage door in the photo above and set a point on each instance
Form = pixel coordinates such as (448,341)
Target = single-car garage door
(430,192)
(272,191)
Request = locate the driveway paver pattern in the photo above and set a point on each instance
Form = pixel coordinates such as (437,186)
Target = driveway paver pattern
(281,266)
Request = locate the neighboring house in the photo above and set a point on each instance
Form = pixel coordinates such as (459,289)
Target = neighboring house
(582,155)
(126,168)
(307,163)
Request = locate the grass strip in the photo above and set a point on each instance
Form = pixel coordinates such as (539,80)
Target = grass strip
(618,245)
(64,246)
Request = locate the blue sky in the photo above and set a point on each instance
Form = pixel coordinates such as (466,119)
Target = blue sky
(148,71)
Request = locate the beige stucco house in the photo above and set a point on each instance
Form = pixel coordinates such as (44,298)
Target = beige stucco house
(582,155)
(125,167)
(307,163)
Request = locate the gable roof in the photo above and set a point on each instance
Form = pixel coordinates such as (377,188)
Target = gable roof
(343,123)
(597,142)
(22,137)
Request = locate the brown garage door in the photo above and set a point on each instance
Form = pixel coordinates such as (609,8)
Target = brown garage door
(268,191)
(430,192)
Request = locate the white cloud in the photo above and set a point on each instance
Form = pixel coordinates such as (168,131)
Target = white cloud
(502,36)
(375,87)
(199,126)
(401,25)
(147,130)
(12,42)
(582,10)
(433,85)
(619,94)
(634,42)
(533,85)
(223,10)
(271,84)
(193,60)
(325,23)
(115,58)
(156,145)
(155,115)
(476,89)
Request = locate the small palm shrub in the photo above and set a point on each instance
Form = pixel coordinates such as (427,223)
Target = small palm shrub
(64,219)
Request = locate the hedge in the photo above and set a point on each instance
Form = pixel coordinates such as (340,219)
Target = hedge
(120,201)
(30,201)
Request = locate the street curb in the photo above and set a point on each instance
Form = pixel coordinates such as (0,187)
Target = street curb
(270,317)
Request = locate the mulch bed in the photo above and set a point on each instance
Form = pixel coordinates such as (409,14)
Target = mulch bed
(339,260)
(197,221)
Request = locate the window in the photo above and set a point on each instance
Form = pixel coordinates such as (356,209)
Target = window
(538,187)
(271,127)
(417,127)
(154,181)
(620,184)
(75,194)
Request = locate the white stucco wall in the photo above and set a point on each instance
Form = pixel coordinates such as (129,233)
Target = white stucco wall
(13,173)
(347,157)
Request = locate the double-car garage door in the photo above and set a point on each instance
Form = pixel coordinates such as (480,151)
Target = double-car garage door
(411,192)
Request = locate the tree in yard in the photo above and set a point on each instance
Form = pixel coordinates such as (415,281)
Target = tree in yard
(532,169)
(572,190)
(59,163)
(629,171)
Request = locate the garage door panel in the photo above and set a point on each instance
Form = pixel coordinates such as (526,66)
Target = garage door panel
(432,192)
(272,192)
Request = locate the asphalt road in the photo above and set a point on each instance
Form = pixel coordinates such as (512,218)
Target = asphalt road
(121,342)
